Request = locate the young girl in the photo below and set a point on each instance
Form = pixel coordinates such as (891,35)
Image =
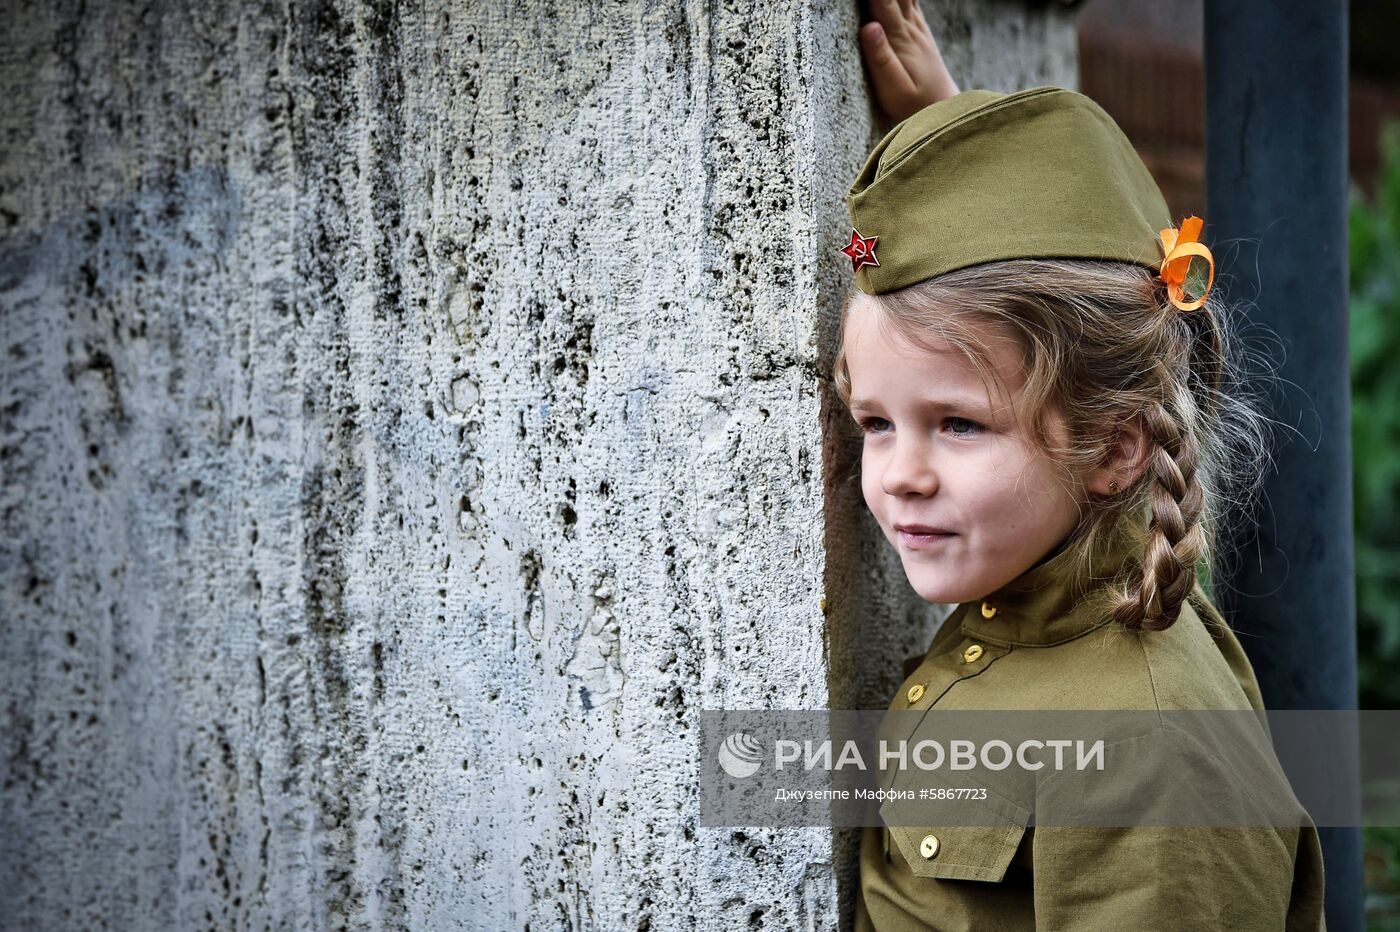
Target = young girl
(1049,428)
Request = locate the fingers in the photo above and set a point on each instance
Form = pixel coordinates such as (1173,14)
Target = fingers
(886,70)
(904,26)
(906,70)
(890,13)
(919,26)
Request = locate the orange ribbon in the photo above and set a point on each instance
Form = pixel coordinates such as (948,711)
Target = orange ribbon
(1179,246)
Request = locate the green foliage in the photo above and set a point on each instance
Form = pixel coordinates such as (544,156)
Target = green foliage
(1382,872)
(1374,231)
(1375,427)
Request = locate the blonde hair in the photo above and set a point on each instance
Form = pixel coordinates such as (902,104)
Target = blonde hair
(1103,345)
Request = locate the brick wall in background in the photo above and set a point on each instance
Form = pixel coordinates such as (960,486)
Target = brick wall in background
(1372,104)
(1142,62)
(1154,90)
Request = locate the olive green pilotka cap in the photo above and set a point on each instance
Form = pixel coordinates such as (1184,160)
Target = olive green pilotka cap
(984,176)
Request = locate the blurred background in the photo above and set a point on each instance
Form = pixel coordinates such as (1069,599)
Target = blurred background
(1155,90)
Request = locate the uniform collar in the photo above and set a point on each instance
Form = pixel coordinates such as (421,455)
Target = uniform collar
(1054,601)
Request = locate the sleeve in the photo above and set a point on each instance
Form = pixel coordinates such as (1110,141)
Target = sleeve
(1161,877)
(1199,850)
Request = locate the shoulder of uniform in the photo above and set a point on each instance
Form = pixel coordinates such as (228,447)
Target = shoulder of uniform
(1197,768)
(1198,663)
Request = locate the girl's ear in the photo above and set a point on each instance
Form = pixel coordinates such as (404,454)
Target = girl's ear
(1127,455)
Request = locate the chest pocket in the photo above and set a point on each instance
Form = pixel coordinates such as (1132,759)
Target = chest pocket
(980,851)
(979,847)
(963,852)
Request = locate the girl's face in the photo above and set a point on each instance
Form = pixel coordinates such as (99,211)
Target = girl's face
(942,451)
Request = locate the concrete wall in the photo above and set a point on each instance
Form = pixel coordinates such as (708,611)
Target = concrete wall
(411,416)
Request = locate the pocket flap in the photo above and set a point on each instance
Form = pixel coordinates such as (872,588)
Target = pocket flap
(980,847)
(963,852)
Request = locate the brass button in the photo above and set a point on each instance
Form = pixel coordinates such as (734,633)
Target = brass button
(916,692)
(929,847)
(972,653)
(988,610)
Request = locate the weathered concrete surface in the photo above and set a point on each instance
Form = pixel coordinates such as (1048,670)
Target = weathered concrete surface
(411,417)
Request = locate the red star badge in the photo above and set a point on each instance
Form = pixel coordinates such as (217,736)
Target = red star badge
(861,250)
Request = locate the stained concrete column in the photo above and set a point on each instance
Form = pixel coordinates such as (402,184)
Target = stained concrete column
(411,417)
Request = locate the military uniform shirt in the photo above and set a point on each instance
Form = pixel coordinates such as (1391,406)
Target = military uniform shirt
(1049,644)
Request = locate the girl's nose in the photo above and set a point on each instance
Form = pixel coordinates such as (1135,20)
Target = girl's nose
(909,470)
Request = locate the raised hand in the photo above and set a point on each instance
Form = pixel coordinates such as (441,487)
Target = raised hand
(906,69)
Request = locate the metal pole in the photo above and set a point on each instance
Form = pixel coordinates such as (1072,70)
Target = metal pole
(1276,184)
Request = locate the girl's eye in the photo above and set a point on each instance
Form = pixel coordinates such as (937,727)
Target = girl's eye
(872,425)
(973,426)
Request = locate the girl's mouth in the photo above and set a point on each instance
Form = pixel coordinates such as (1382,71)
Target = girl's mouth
(921,541)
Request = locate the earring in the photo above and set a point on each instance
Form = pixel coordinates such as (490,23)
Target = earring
(1113,488)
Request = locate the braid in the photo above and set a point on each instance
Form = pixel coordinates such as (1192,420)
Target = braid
(1175,541)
